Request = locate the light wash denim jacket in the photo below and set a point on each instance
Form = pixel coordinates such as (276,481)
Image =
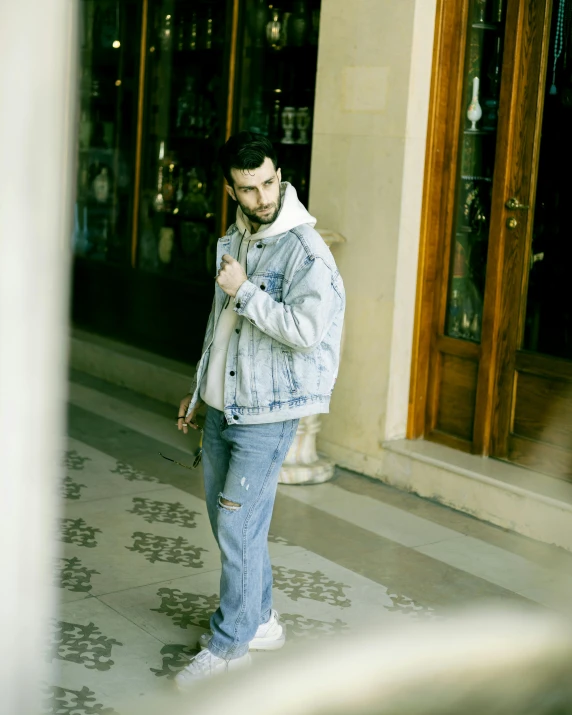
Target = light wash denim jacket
(283,358)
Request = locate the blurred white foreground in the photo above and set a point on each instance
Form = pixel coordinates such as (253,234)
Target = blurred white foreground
(492,661)
(37,127)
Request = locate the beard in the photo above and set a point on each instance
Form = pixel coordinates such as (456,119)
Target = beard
(255,217)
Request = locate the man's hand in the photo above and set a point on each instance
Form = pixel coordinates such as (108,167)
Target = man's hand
(187,421)
(231,275)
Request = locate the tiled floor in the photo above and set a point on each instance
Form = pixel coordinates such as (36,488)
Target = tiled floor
(139,569)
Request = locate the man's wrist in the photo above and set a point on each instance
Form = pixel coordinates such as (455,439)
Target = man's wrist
(243,295)
(239,287)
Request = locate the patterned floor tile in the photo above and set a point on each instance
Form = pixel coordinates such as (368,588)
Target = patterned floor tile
(174,612)
(102,659)
(91,474)
(68,701)
(127,541)
(319,586)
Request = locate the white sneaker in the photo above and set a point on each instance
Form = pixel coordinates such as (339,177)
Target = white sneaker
(269,636)
(207,664)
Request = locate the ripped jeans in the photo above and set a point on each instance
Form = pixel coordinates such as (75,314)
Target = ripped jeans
(241,464)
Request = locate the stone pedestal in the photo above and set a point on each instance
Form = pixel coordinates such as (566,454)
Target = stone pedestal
(302,464)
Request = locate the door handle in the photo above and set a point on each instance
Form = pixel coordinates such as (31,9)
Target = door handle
(514,204)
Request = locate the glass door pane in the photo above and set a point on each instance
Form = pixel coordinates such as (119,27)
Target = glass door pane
(548,326)
(475,169)
(184,124)
(278,81)
(109,49)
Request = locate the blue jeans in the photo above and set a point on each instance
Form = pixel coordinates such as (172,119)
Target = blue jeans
(241,465)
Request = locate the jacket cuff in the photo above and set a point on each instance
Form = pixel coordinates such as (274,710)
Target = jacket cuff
(243,295)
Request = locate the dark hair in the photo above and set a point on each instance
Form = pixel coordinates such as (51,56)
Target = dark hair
(244,151)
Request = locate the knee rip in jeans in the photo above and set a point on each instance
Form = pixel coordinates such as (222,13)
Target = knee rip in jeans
(227,505)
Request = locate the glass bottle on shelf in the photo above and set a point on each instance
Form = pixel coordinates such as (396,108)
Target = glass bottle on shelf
(159,201)
(474,112)
(480,11)
(303,124)
(454,313)
(181,32)
(169,184)
(288,125)
(257,15)
(275,30)
(101,185)
(276,124)
(193,34)
(186,105)
(258,117)
(166,36)
(298,24)
(209,29)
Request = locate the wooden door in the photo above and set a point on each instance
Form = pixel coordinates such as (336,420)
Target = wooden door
(528,301)
(492,368)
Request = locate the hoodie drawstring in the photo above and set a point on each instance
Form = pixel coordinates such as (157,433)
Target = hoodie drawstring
(238,259)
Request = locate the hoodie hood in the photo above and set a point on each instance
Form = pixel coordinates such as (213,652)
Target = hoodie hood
(292,213)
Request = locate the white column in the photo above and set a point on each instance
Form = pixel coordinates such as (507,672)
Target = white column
(37,124)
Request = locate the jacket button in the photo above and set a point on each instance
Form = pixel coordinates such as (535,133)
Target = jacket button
(235,417)
(237,331)
(232,373)
(262,287)
(258,245)
(238,305)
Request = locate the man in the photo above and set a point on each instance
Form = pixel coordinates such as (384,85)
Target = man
(270,357)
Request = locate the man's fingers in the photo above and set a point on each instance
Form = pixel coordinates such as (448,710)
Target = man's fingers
(188,422)
(182,418)
(227,259)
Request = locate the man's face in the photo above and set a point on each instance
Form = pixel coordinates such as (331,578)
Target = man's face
(257,192)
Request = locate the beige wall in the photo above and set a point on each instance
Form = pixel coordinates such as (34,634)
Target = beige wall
(367,170)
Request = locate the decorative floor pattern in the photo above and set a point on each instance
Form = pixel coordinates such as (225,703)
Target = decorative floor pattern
(138,574)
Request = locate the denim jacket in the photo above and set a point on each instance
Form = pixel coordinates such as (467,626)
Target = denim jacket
(283,358)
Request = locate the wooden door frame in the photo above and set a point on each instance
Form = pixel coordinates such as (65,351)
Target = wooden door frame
(441,157)
(499,329)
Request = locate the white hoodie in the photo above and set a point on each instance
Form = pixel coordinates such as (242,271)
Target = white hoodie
(292,213)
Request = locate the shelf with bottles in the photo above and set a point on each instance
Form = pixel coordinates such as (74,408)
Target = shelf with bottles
(466,287)
(195,113)
(183,188)
(465,312)
(287,125)
(99,224)
(480,132)
(175,239)
(198,27)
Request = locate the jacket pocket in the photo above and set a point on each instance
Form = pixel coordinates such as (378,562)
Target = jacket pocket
(288,366)
(270,282)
